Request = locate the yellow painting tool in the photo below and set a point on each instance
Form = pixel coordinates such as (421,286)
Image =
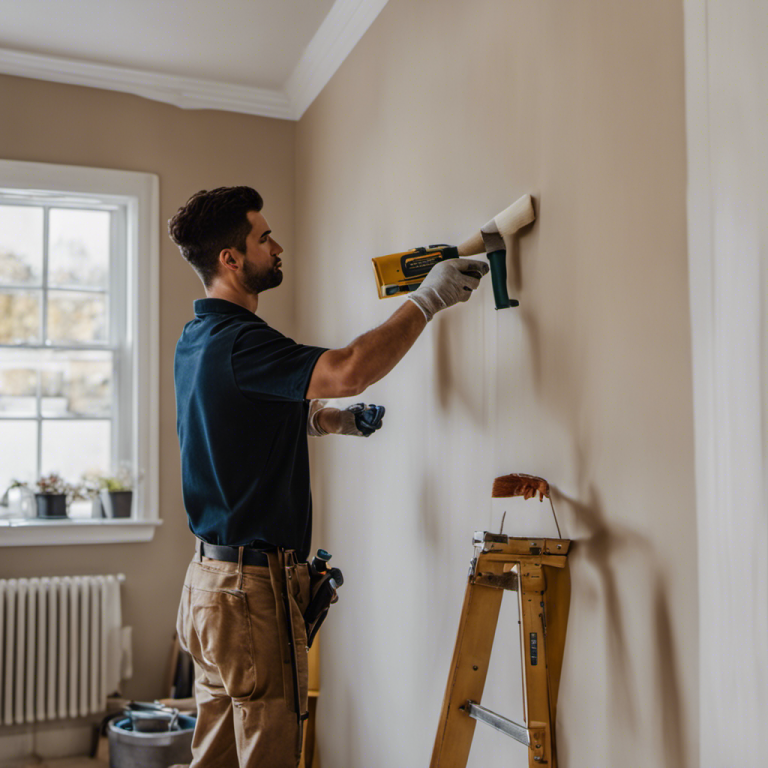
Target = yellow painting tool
(398,274)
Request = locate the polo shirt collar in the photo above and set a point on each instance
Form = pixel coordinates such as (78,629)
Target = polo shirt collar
(219,307)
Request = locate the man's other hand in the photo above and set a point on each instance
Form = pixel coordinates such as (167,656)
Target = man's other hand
(361,420)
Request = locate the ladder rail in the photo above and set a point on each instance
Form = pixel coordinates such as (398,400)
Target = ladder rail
(469,668)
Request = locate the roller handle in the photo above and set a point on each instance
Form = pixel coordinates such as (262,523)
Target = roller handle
(498,260)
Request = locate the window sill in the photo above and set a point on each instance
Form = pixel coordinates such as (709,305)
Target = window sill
(33,533)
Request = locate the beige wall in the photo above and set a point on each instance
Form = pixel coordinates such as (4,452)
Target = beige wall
(444,114)
(188,150)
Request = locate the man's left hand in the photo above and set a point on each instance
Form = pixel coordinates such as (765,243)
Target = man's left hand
(361,420)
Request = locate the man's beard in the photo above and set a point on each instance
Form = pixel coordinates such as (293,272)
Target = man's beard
(256,281)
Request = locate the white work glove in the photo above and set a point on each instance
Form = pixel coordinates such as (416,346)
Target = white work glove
(313,428)
(359,420)
(448,283)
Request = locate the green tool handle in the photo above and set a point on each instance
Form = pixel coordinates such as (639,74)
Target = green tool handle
(498,260)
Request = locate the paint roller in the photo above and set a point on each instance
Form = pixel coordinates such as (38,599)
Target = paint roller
(400,273)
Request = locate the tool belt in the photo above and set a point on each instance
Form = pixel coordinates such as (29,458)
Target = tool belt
(250,556)
(303,594)
(323,586)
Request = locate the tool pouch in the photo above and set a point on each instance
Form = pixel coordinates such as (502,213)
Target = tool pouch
(323,586)
(291,588)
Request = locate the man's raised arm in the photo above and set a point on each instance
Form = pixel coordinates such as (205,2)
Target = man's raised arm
(348,371)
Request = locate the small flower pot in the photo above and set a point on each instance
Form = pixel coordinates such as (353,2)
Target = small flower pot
(97,509)
(51,504)
(116,503)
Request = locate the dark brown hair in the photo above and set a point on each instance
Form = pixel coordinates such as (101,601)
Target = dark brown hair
(211,221)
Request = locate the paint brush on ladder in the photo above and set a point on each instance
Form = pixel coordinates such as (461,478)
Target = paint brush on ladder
(398,274)
(527,486)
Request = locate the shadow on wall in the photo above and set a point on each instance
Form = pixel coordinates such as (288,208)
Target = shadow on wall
(430,522)
(454,379)
(601,546)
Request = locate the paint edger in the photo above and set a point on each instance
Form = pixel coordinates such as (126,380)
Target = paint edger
(400,273)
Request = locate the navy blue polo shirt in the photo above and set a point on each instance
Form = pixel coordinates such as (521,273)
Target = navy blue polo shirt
(241,415)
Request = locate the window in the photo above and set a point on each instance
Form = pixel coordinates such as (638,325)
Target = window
(78,341)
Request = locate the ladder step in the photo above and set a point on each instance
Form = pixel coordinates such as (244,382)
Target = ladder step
(499,722)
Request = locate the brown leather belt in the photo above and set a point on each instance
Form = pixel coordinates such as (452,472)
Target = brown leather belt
(230,554)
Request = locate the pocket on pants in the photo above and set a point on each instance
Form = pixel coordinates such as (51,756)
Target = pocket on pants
(219,638)
(182,618)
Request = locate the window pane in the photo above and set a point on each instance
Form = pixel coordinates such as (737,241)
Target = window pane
(71,383)
(18,452)
(77,384)
(21,244)
(73,448)
(77,317)
(79,248)
(19,317)
(18,384)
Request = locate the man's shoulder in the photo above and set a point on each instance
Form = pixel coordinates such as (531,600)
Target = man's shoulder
(214,330)
(214,324)
(255,327)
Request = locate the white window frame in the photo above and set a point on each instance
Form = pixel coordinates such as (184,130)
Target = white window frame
(139,193)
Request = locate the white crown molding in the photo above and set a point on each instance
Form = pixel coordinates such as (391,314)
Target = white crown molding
(340,32)
(183,92)
(342,29)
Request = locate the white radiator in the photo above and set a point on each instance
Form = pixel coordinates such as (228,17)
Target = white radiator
(60,646)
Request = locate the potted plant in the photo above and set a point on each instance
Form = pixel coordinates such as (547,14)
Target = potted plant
(18,500)
(116,492)
(90,489)
(51,493)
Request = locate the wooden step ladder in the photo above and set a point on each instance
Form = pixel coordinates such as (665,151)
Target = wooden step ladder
(537,569)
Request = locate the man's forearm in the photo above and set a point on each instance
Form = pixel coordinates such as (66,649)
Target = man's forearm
(329,420)
(377,352)
(348,371)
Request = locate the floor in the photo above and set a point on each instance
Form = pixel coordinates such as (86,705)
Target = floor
(69,762)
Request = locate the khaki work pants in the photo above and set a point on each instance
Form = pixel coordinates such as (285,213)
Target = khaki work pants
(232,622)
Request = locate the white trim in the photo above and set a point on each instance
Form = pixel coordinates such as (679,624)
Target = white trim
(141,193)
(183,92)
(340,32)
(34,533)
(147,336)
(727,229)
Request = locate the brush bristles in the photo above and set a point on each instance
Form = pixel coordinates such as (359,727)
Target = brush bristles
(520,485)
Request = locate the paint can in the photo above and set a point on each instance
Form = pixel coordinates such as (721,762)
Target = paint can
(129,748)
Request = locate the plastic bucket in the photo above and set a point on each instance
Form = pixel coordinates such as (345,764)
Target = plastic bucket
(149,749)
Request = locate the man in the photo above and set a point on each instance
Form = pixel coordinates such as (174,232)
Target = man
(246,398)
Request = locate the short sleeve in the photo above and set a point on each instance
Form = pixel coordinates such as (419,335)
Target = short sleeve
(268,365)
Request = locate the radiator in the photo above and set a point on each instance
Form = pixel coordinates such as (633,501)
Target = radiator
(60,646)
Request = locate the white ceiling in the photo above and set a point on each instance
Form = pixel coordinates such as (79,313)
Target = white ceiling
(268,57)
